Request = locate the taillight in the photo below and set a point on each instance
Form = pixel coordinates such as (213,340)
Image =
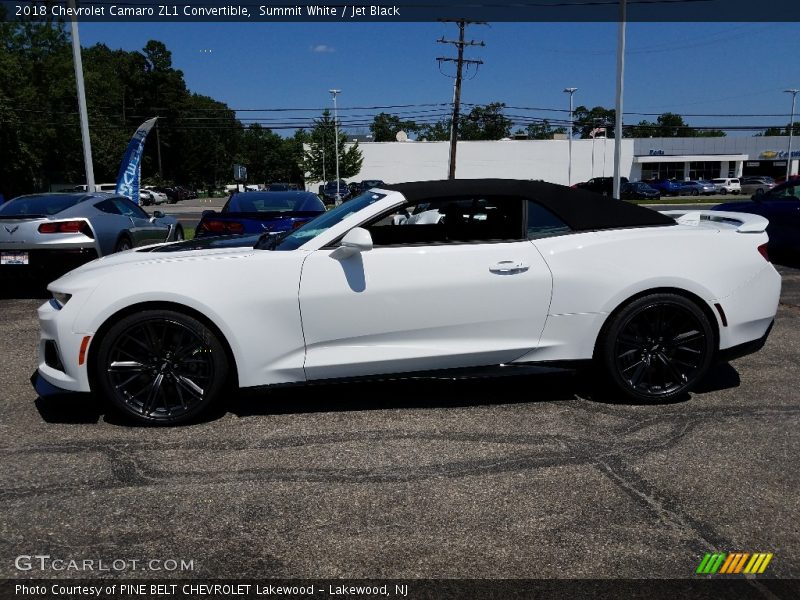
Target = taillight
(762,250)
(67,227)
(222,226)
(297,224)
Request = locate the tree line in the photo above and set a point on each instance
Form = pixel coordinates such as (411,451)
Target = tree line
(198,139)
(490,123)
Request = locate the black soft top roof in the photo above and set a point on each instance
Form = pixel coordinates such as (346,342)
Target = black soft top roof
(581,210)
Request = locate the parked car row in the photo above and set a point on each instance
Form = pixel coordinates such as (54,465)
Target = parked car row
(655,188)
(46,235)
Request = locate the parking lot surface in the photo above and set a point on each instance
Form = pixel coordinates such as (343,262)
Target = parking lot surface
(517,477)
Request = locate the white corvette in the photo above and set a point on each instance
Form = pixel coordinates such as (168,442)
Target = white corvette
(507,274)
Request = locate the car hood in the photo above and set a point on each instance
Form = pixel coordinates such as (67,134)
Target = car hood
(227,247)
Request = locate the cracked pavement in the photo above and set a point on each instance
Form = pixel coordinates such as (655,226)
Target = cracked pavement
(516,477)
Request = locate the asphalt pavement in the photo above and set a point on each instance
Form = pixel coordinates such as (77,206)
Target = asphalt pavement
(515,477)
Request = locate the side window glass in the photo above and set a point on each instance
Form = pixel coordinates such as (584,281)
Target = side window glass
(107,206)
(542,223)
(450,220)
(129,209)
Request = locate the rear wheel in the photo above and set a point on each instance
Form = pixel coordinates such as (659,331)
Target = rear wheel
(161,367)
(123,243)
(656,348)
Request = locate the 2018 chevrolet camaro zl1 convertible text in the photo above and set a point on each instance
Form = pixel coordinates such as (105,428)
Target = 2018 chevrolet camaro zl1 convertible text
(410,278)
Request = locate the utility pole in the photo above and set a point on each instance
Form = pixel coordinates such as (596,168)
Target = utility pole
(460,62)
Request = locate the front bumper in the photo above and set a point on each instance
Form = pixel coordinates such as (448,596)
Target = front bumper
(57,337)
(45,389)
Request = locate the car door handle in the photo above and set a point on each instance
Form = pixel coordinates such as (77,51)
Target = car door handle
(509,266)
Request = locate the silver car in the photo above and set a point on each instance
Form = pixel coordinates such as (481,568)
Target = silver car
(752,186)
(50,234)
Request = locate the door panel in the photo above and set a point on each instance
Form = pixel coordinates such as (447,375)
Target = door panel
(413,308)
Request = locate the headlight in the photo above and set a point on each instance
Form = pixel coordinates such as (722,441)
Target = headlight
(61,298)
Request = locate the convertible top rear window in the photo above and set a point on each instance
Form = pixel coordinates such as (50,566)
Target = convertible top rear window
(579,209)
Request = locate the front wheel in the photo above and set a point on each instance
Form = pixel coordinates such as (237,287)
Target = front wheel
(160,367)
(656,348)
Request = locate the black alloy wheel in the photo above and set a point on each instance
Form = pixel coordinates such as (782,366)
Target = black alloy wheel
(657,347)
(161,367)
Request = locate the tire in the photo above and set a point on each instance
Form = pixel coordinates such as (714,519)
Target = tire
(123,243)
(179,237)
(656,348)
(160,367)
(723,191)
(695,193)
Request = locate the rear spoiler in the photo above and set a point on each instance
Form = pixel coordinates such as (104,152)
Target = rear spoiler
(743,222)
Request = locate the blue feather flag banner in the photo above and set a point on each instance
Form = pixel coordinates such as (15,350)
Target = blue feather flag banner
(130,171)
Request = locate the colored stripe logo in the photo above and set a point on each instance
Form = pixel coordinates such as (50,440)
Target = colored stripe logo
(734,563)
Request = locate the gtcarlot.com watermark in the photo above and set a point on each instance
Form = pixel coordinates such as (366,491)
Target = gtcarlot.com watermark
(47,563)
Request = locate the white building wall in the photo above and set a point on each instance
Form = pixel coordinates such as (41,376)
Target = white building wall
(395,162)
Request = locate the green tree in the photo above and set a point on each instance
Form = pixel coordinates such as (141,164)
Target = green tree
(542,131)
(209,150)
(485,123)
(435,132)
(385,127)
(586,120)
(781,130)
(319,159)
(671,125)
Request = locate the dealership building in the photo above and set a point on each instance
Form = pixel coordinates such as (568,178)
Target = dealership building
(548,160)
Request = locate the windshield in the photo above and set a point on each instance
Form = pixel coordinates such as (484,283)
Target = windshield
(298,237)
(43,205)
(250,202)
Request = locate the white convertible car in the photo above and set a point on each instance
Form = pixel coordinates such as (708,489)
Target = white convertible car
(498,273)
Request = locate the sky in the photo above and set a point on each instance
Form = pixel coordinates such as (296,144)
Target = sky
(687,68)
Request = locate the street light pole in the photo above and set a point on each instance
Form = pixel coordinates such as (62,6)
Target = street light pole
(87,144)
(335,93)
(570,91)
(620,89)
(793,92)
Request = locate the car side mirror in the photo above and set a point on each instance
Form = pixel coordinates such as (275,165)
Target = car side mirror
(206,213)
(356,240)
(157,214)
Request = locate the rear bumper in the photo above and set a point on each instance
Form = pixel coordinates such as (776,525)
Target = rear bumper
(47,262)
(746,348)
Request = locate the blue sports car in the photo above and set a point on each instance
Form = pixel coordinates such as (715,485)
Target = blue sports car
(261,212)
(781,205)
